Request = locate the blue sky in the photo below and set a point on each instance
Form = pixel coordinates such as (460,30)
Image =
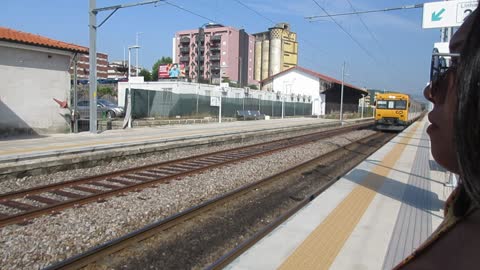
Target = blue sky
(397,59)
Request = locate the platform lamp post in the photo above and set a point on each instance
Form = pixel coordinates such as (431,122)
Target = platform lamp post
(136,53)
(341,94)
(128,115)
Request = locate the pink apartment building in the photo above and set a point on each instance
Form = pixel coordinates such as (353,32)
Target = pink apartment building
(216,51)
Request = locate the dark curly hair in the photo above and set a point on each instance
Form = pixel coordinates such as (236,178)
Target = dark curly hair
(467,121)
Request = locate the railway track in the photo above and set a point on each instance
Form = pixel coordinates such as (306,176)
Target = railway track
(30,203)
(122,247)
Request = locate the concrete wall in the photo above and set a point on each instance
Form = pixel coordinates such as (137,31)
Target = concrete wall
(30,78)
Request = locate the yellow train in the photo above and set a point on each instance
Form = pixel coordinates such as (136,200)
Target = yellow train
(395,111)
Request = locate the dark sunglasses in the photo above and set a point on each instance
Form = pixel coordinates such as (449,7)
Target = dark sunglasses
(442,65)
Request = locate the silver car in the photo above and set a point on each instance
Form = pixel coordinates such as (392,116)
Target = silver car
(105,108)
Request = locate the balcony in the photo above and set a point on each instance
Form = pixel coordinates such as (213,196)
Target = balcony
(216,38)
(184,40)
(215,49)
(215,68)
(184,59)
(185,49)
(215,57)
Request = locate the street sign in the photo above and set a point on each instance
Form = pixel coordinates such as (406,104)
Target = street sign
(215,101)
(447,13)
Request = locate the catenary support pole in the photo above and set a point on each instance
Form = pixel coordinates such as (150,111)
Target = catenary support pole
(93,67)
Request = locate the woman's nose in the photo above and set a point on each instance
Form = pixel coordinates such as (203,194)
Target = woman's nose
(427,92)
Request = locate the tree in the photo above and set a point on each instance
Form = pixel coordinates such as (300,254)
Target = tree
(146,75)
(163,60)
(104,91)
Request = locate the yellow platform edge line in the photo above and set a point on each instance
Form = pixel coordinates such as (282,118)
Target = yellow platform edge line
(321,247)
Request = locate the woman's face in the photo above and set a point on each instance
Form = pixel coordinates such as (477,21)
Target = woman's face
(441,118)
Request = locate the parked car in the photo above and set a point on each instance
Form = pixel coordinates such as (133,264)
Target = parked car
(104,108)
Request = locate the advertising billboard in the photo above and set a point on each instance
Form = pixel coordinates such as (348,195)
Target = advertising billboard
(168,71)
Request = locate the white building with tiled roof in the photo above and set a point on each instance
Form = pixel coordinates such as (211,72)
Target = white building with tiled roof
(322,90)
(33,71)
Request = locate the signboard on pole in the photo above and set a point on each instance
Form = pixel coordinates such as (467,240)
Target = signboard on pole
(215,101)
(447,13)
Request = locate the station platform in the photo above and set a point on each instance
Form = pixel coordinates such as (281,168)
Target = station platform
(23,154)
(372,218)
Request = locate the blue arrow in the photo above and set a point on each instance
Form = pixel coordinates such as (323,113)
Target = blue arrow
(437,16)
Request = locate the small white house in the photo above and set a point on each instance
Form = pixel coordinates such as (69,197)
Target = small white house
(33,71)
(318,88)
(298,81)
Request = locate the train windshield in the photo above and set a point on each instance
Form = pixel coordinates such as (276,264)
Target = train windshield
(392,104)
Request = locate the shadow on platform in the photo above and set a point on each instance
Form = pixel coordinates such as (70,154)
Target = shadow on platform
(414,196)
(435,167)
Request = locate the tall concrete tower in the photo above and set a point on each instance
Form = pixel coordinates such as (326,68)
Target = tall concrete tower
(275,51)
(258,60)
(265,58)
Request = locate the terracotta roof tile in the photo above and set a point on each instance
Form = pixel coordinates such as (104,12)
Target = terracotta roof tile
(7,34)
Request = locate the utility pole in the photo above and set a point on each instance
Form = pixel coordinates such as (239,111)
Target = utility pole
(136,55)
(74,114)
(341,94)
(92,77)
(363,103)
(128,114)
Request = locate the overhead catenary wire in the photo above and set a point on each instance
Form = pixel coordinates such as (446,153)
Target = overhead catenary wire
(256,12)
(346,32)
(251,9)
(191,12)
(364,24)
(371,33)
(307,42)
(313,18)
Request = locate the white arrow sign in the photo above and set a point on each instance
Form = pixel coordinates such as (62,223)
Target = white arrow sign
(447,13)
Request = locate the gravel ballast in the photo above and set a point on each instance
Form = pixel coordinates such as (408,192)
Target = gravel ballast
(52,238)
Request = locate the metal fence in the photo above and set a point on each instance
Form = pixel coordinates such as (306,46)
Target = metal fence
(166,104)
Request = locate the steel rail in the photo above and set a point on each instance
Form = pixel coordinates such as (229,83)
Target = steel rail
(138,179)
(229,257)
(113,246)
